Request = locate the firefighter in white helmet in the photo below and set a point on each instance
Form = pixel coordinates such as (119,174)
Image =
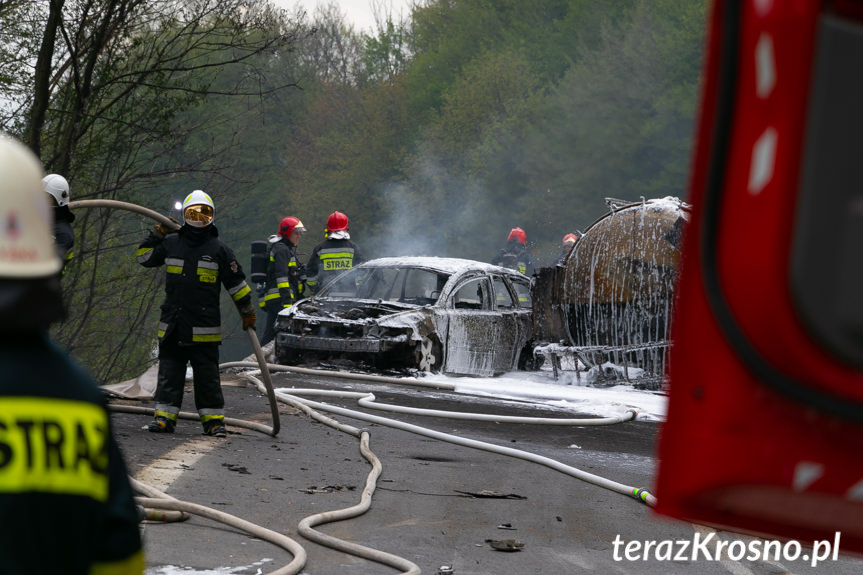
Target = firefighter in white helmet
(50,406)
(64,239)
(197,265)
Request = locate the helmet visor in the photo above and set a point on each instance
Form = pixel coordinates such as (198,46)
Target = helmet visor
(199,215)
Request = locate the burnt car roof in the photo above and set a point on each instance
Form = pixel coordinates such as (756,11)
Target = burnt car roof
(440,264)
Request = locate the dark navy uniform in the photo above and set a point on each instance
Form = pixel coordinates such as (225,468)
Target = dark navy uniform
(65,501)
(515,256)
(330,258)
(197,265)
(64,237)
(284,283)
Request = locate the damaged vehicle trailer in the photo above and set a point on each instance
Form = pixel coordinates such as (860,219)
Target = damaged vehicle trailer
(607,307)
(429,314)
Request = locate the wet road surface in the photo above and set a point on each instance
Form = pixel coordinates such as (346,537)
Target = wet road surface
(436,504)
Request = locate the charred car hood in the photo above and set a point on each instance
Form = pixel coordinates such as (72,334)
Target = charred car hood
(390,314)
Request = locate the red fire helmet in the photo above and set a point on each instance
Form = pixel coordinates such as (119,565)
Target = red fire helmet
(518,234)
(337,222)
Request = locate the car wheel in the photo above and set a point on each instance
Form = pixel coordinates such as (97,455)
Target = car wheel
(527,361)
(429,354)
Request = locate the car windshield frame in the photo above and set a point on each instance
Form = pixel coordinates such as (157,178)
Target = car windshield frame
(403,284)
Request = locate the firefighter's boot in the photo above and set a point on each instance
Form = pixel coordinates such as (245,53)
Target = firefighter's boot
(161,424)
(215,428)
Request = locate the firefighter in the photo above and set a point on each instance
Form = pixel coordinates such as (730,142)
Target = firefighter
(515,254)
(64,239)
(565,247)
(66,505)
(285,274)
(334,255)
(197,265)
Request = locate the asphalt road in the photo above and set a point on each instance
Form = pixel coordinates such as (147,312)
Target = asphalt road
(436,504)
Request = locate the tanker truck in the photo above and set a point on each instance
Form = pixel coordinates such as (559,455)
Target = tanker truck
(606,306)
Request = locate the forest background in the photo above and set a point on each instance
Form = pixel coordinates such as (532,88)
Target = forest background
(436,134)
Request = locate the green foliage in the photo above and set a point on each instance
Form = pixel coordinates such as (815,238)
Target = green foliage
(436,135)
(19,40)
(121,124)
(463,153)
(384,56)
(478,116)
(623,113)
(530,113)
(448,35)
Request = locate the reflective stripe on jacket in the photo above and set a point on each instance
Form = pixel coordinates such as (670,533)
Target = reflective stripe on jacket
(283,280)
(58,458)
(197,265)
(330,258)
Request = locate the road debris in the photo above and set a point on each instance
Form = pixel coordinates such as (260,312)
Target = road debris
(491,494)
(505,544)
(237,468)
(328,489)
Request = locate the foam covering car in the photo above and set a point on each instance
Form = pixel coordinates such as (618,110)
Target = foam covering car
(428,314)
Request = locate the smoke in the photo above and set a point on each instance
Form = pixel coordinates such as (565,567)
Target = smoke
(433,213)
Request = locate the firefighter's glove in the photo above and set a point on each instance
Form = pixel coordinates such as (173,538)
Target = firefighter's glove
(160,231)
(247,311)
(249,321)
(302,278)
(301,273)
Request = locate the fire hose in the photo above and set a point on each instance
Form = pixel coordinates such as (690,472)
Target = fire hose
(293,397)
(158,502)
(253,337)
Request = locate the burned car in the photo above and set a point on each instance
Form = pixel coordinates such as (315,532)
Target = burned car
(430,314)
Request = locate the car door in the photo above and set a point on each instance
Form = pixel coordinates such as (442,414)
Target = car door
(473,330)
(506,352)
(523,312)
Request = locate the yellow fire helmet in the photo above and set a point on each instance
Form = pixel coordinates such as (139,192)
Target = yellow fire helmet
(26,222)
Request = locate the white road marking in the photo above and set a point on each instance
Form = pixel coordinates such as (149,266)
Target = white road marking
(162,472)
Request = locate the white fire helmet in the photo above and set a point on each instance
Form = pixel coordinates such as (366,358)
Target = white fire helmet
(57,186)
(26,220)
(198,209)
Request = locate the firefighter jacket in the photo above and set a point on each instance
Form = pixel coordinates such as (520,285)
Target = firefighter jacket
(64,237)
(197,265)
(331,257)
(66,505)
(285,276)
(515,256)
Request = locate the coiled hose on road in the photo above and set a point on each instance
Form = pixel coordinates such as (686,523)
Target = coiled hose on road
(157,504)
(365,399)
(297,398)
